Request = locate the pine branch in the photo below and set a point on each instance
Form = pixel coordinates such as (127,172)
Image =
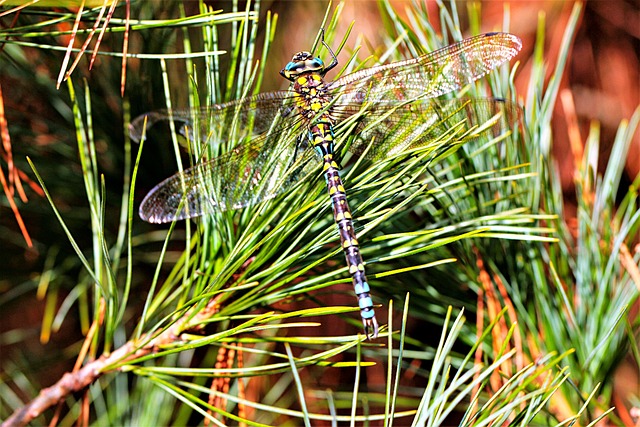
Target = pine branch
(72,382)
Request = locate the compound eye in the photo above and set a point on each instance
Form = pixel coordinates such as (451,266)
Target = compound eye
(316,63)
(292,66)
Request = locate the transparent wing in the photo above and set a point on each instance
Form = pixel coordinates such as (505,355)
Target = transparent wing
(249,174)
(231,121)
(429,76)
(388,131)
(273,159)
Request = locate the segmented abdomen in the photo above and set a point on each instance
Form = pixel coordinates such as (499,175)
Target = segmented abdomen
(322,136)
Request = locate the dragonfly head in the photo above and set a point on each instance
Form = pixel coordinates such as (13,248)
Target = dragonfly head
(302,62)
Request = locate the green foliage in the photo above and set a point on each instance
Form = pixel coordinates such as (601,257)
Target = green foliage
(450,224)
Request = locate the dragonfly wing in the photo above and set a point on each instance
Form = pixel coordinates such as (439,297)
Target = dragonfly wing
(235,120)
(394,130)
(429,76)
(249,174)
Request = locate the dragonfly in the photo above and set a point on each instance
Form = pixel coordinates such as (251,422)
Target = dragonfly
(391,109)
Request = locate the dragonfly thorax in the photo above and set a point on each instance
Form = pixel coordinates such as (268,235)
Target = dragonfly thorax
(302,62)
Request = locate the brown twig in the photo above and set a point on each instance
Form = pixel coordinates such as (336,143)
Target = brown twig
(73,382)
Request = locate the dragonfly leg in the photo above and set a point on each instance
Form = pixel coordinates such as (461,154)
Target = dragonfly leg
(334,59)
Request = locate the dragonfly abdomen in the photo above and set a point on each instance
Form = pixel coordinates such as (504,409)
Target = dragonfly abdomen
(321,135)
(349,243)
